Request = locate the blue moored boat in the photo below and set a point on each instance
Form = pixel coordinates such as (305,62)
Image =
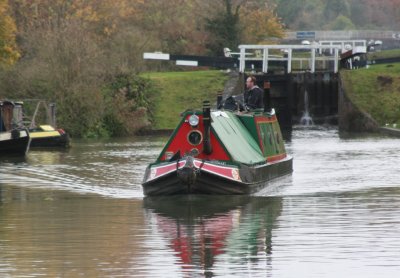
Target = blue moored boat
(14,137)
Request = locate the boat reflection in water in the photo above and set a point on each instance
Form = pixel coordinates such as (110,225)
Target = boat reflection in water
(216,235)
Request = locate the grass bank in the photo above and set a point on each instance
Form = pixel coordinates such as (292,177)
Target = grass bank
(392,53)
(375,90)
(178,91)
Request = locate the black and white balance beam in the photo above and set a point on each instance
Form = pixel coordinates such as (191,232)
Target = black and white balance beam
(193,60)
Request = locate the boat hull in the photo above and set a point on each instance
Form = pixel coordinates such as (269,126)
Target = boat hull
(61,140)
(211,178)
(10,144)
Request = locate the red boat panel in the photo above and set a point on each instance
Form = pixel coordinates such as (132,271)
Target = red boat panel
(264,119)
(158,171)
(219,170)
(181,143)
(276,157)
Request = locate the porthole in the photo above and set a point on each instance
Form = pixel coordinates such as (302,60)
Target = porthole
(195,137)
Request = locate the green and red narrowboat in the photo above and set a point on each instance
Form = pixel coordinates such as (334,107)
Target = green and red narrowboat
(219,152)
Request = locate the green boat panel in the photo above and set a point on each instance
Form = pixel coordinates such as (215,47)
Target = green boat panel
(266,132)
(236,138)
(279,138)
(248,121)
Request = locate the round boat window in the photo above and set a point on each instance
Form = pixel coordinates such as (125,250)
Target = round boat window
(195,137)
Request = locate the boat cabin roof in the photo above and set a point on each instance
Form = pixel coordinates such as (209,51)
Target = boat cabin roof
(236,138)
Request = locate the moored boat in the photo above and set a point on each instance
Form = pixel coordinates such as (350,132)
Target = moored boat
(46,135)
(14,137)
(219,152)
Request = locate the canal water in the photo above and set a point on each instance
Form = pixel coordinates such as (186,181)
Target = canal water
(81,213)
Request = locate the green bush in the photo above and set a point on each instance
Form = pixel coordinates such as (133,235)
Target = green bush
(127,107)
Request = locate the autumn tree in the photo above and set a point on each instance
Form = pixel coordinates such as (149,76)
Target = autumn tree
(175,26)
(71,51)
(224,27)
(259,24)
(339,14)
(8,48)
(375,14)
(335,8)
(301,15)
(242,22)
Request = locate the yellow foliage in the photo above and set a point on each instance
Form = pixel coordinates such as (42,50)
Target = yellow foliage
(260,25)
(101,15)
(8,48)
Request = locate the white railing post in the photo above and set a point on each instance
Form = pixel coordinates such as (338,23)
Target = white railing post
(289,61)
(242,61)
(336,64)
(313,60)
(265,60)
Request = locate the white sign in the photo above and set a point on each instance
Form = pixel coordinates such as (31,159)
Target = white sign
(187,63)
(155,56)
(396,36)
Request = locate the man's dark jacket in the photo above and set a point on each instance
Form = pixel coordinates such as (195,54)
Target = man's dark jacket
(253,98)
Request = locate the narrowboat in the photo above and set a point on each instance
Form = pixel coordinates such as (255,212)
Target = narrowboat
(14,137)
(219,152)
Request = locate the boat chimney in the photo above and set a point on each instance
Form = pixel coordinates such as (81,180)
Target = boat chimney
(266,98)
(207,148)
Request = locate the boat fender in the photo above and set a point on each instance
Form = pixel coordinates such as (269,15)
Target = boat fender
(15,134)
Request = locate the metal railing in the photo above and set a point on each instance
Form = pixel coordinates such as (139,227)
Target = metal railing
(343,44)
(287,57)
